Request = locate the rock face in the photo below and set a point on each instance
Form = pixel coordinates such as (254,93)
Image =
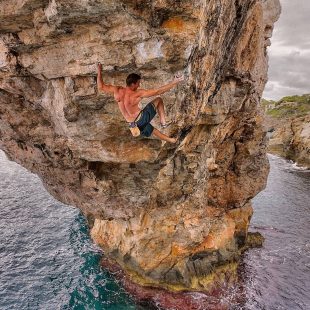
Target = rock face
(170,216)
(291,139)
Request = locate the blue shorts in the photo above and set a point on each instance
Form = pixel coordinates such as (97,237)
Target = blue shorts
(147,114)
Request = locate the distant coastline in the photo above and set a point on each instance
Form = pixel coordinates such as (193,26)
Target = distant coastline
(288,128)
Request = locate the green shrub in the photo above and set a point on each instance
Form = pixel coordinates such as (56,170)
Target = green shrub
(298,99)
(300,106)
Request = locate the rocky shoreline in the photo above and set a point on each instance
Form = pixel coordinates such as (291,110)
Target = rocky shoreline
(288,126)
(152,296)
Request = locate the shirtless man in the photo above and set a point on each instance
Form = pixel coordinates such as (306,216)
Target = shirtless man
(129,97)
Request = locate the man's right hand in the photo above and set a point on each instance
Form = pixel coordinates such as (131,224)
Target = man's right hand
(99,66)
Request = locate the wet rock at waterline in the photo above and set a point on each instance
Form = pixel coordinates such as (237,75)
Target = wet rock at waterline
(170,216)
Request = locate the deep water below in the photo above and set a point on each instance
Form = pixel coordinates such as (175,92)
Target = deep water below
(277,276)
(47,260)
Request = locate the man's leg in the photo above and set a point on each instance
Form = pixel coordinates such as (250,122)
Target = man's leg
(162,136)
(159,104)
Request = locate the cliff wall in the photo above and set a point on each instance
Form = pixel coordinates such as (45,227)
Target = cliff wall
(170,215)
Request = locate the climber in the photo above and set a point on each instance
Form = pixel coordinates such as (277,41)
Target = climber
(128,99)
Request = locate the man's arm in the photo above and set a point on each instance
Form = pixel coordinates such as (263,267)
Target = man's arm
(145,93)
(100,84)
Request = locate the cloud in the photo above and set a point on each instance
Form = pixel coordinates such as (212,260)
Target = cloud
(289,54)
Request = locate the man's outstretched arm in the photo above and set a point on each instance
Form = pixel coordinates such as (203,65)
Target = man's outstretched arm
(101,85)
(145,93)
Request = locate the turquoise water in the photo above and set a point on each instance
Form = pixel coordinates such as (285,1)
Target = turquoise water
(47,260)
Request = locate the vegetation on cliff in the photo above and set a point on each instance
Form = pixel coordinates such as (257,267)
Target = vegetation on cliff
(288,106)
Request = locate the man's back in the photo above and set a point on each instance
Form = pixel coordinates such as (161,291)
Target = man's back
(128,102)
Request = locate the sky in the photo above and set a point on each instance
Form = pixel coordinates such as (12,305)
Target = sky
(289,54)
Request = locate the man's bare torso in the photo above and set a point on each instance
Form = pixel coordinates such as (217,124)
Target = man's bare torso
(128,102)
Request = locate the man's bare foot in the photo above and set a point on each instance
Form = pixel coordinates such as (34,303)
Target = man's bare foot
(163,137)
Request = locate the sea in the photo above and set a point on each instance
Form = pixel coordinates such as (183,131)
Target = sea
(48,261)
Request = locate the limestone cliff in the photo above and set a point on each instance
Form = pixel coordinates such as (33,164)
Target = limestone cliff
(288,125)
(171,216)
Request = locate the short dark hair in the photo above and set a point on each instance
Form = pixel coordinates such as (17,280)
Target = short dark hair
(132,78)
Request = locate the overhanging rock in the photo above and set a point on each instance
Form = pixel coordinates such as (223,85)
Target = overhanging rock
(171,216)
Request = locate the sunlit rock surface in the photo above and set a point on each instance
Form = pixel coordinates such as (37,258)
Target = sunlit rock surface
(169,215)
